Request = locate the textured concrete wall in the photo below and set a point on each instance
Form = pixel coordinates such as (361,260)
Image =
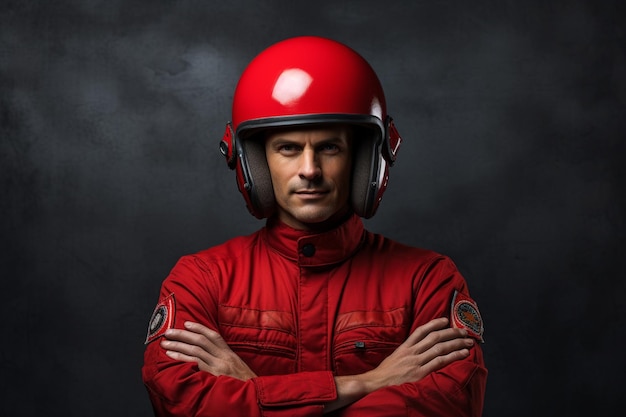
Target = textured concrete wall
(512,115)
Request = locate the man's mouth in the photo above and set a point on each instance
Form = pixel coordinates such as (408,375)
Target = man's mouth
(310,193)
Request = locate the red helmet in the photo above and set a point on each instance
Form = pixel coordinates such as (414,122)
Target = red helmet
(305,81)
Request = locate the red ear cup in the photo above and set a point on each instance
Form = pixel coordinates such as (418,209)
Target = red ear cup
(392,142)
(244,185)
(236,159)
(389,152)
(227,146)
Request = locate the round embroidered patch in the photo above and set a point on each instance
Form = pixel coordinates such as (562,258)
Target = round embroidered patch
(469,316)
(464,314)
(158,320)
(162,318)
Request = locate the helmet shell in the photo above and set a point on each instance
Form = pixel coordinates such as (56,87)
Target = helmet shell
(306,76)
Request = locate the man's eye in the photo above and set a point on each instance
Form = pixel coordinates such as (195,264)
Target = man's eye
(330,147)
(287,148)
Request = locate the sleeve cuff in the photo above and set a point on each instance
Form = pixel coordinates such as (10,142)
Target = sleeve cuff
(296,389)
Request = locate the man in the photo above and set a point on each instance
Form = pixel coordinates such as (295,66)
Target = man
(313,314)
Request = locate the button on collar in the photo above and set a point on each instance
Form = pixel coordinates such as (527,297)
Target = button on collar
(308,250)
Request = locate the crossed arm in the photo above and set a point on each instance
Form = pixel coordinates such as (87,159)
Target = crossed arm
(429,348)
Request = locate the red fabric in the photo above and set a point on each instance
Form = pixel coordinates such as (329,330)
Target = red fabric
(297,321)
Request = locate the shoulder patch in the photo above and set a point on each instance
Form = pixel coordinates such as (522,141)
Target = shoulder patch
(162,318)
(465,315)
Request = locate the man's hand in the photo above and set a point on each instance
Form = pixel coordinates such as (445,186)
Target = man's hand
(207,348)
(429,348)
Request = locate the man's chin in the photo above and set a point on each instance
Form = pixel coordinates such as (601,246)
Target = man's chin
(318,220)
(312,221)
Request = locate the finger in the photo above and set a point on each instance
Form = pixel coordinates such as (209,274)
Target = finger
(424,330)
(203,337)
(440,336)
(441,361)
(193,339)
(444,349)
(184,336)
(210,334)
(202,365)
(179,356)
(194,333)
(187,350)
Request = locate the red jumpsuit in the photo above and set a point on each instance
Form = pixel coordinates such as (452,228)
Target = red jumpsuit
(299,308)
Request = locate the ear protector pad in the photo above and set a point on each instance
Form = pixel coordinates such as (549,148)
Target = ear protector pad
(252,155)
(365,163)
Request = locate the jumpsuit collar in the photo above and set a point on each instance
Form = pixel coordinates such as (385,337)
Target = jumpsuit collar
(310,249)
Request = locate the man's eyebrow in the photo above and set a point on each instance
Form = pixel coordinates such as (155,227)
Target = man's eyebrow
(289,140)
(281,139)
(332,139)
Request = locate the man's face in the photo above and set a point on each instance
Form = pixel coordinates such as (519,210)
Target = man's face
(310,170)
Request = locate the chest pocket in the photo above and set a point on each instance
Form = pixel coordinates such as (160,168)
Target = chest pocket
(364,338)
(264,339)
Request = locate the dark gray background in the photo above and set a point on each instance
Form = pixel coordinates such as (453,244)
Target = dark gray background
(512,115)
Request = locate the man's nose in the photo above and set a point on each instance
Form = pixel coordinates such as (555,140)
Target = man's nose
(309,166)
